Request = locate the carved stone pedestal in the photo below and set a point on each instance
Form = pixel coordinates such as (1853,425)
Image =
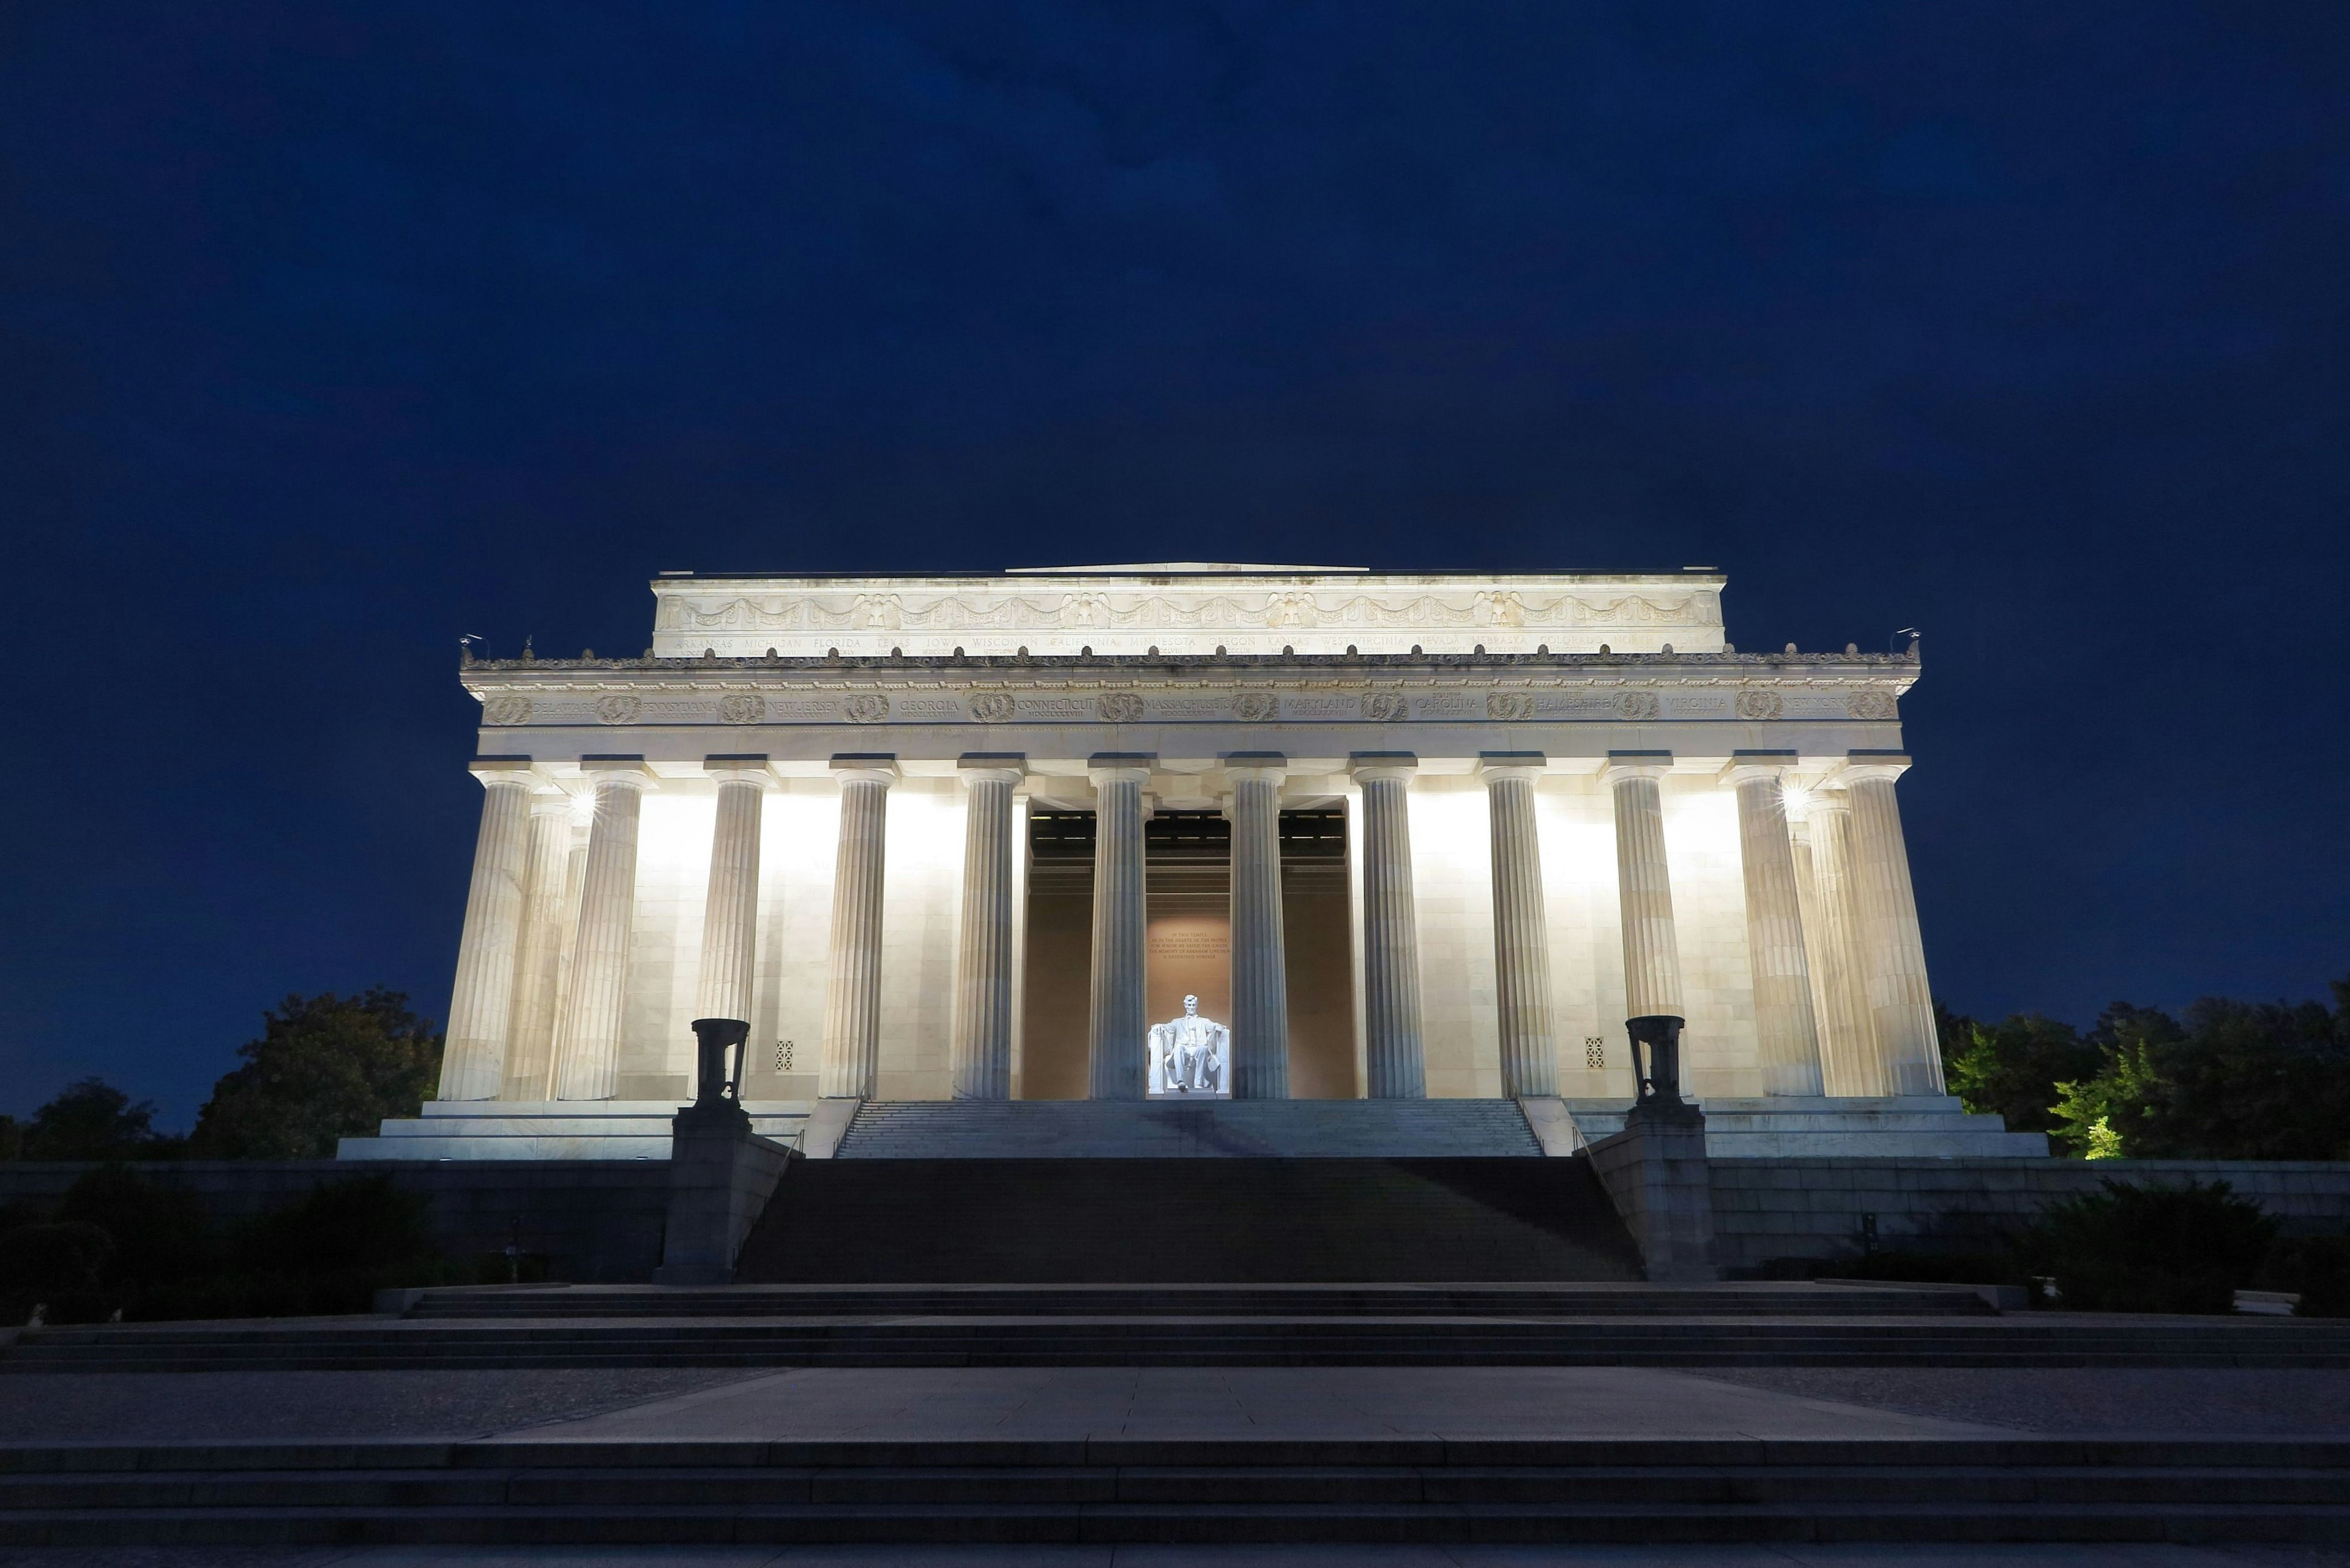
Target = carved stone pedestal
(721,1174)
(1655,1171)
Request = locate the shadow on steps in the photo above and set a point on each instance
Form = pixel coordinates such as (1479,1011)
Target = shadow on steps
(1187,1221)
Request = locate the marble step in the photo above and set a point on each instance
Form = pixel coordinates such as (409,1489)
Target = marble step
(1423,1341)
(966,1129)
(519,1493)
(496,1302)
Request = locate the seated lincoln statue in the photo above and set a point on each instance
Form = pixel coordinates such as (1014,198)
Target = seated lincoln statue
(1189,1055)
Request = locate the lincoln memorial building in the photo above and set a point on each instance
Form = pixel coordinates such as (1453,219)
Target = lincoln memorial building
(1191,830)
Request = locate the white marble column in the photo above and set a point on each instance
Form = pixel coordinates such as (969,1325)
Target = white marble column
(1521,934)
(538,959)
(1849,1063)
(985,970)
(1260,958)
(852,1014)
(1787,1033)
(1119,1028)
(587,1057)
(481,1005)
(1894,952)
(730,909)
(1394,1067)
(1644,887)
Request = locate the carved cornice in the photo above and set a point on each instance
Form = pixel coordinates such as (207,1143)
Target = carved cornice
(982,693)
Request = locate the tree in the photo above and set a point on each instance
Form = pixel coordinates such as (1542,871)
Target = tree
(2012,1069)
(324,1068)
(94,1120)
(2228,1080)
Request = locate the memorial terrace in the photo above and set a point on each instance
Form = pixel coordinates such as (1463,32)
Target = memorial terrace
(1435,834)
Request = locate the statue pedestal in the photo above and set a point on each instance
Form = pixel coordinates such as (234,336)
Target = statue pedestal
(1655,1174)
(1188,1058)
(721,1174)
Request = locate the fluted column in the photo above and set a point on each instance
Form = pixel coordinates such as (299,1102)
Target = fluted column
(1260,960)
(1394,1067)
(481,1005)
(1644,887)
(1119,1028)
(1521,934)
(1787,1043)
(1894,951)
(588,1050)
(1849,1063)
(730,909)
(852,1014)
(981,1055)
(539,957)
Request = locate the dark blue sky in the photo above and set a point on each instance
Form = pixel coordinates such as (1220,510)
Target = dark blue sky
(330,331)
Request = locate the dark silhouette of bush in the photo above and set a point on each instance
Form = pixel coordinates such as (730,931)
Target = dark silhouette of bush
(2127,1247)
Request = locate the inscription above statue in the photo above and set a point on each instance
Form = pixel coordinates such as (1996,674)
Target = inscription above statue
(1190,1056)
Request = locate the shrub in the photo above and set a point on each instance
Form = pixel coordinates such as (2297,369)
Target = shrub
(2150,1249)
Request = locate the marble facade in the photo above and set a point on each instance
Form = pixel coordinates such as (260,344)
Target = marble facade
(1566,800)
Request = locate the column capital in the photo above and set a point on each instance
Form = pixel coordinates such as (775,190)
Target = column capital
(739,767)
(1635,766)
(626,770)
(491,771)
(1120,767)
(549,801)
(1745,766)
(1526,765)
(1861,766)
(867,767)
(1272,765)
(1826,798)
(1007,767)
(1364,766)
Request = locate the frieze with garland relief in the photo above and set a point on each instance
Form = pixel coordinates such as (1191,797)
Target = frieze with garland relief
(1320,701)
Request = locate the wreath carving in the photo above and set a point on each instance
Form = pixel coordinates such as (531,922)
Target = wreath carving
(1509,707)
(991,707)
(1118,707)
(617,709)
(1385,707)
(1758,704)
(867,708)
(1870,705)
(742,708)
(508,710)
(1255,707)
(1636,704)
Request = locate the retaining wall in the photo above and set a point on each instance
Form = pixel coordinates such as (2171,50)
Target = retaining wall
(1767,1208)
(593,1220)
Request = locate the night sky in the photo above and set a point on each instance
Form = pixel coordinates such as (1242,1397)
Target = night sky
(332,331)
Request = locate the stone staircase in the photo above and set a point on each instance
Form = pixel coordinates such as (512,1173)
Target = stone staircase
(557,1129)
(1453,1325)
(1792,1126)
(1235,1220)
(1438,1490)
(1139,1129)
